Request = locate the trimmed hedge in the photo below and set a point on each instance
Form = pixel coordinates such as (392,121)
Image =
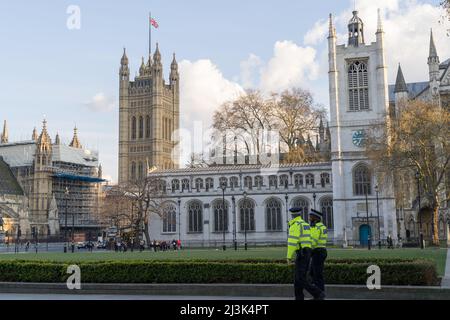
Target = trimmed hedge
(393,272)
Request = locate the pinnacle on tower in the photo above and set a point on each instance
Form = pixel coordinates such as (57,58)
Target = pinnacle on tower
(57,139)
(142,68)
(4,136)
(124,60)
(174,65)
(380,22)
(356,30)
(433,51)
(75,141)
(34,136)
(44,142)
(331,28)
(157,55)
(400,84)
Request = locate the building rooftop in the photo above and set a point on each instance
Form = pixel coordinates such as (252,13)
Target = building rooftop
(8,182)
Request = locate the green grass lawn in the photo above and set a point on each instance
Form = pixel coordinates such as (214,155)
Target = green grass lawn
(437,255)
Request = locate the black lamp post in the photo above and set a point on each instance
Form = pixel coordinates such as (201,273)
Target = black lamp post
(66,193)
(378,217)
(314,197)
(73,232)
(224,214)
(179,220)
(244,211)
(233,200)
(418,211)
(366,187)
(286,197)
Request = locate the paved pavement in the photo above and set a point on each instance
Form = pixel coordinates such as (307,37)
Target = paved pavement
(446,280)
(15,296)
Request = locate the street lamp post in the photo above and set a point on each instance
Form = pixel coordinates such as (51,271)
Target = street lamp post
(314,198)
(223,187)
(418,211)
(233,200)
(378,217)
(367,215)
(179,220)
(245,220)
(286,197)
(66,193)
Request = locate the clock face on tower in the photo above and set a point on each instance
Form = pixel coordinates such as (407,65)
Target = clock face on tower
(359,138)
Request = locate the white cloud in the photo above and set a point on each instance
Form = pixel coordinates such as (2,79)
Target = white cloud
(250,70)
(101,103)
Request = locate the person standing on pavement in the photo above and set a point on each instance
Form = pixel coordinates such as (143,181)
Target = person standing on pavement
(319,237)
(299,247)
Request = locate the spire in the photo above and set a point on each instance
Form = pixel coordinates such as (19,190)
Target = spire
(4,136)
(321,130)
(380,22)
(57,139)
(44,142)
(433,51)
(142,68)
(400,84)
(34,136)
(356,30)
(124,60)
(75,142)
(174,65)
(331,29)
(157,55)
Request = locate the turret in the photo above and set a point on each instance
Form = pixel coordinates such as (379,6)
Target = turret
(43,147)
(433,65)
(124,69)
(57,140)
(142,69)
(174,75)
(355,31)
(34,136)
(148,68)
(401,89)
(4,136)
(75,141)
(157,67)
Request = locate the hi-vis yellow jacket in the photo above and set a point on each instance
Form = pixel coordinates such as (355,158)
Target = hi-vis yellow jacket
(299,236)
(319,236)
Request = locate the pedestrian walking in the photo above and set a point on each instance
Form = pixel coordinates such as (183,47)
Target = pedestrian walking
(319,237)
(299,247)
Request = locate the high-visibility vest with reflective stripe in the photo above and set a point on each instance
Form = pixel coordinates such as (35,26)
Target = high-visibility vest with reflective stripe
(299,236)
(319,235)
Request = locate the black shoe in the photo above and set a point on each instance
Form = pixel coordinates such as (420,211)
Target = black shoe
(320,297)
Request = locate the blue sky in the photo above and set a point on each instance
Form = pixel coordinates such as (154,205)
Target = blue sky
(50,70)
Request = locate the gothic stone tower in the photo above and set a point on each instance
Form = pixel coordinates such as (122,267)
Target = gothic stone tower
(148,117)
(358,99)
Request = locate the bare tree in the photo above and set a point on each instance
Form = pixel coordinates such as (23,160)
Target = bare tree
(416,140)
(197,160)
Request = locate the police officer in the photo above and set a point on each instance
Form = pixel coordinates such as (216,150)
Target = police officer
(319,239)
(299,247)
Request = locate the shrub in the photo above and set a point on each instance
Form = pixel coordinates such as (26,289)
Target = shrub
(393,272)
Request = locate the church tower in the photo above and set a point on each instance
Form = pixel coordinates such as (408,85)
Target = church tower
(148,116)
(433,66)
(358,98)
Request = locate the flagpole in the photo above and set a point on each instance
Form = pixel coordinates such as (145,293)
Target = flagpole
(150,36)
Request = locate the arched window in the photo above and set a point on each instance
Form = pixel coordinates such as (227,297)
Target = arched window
(169,219)
(198,184)
(361,180)
(358,86)
(247,215)
(303,204)
(298,180)
(248,182)
(223,181)
(147,127)
(195,216)
(140,171)
(220,216)
(273,181)
(326,207)
(133,171)
(133,128)
(185,185)
(259,182)
(175,185)
(141,127)
(309,179)
(273,215)
(324,179)
(234,183)
(162,186)
(209,184)
(284,181)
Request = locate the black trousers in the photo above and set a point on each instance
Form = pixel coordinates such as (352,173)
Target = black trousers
(318,258)
(301,282)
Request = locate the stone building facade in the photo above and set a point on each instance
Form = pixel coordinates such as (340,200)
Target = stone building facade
(149,116)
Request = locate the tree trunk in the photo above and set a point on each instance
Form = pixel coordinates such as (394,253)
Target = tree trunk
(436,225)
(147,235)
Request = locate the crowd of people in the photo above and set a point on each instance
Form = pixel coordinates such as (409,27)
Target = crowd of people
(155,245)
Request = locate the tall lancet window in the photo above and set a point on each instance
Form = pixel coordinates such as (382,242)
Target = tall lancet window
(358,85)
